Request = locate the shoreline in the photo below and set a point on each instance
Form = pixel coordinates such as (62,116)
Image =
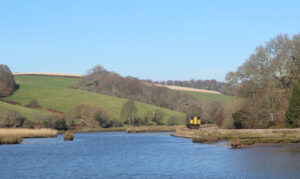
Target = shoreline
(128,129)
(240,138)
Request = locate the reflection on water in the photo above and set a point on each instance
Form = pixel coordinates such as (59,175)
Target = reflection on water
(144,155)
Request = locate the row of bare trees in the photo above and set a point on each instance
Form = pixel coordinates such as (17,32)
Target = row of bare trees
(102,81)
(264,83)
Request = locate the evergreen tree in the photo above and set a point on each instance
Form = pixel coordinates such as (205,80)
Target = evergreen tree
(293,113)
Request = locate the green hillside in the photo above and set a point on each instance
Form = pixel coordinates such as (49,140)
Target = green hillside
(59,93)
(223,99)
(27,112)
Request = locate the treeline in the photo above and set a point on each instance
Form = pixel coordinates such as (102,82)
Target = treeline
(198,84)
(100,80)
(265,84)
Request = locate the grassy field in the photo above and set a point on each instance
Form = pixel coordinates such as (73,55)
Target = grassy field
(59,93)
(224,99)
(27,112)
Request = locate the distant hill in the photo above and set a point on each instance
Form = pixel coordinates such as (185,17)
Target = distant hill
(59,93)
(49,74)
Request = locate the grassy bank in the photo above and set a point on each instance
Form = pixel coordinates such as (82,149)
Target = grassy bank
(240,137)
(27,112)
(152,129)
(58,93)
(223,99)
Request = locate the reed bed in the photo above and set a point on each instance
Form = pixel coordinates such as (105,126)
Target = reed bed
(240,137)
(28,133)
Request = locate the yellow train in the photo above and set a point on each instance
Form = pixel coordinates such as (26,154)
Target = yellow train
(194,122)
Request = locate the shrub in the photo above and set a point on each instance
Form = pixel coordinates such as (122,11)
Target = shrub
(10,140)
(115,123)
(55,121)
(172,121)
(68,136)
(102,118)
(220,117)
(60,124)
(293,113)
(33,104)
(12,118)
(237,120)
(28,124)
(91,115)
(7,82)
(155,116)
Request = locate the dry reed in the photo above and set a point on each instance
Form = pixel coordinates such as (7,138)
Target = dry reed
(28,133)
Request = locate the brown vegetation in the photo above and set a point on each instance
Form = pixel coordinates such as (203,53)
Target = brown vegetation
(10,140)
(28,133)
(264,82)
(240,137)
(102,81)
(12,118)
(68,136)
(33,104)
(93,117)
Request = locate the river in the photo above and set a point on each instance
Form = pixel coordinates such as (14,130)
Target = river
(144,155)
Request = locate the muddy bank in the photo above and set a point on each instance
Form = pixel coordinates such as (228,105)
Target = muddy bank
(240,138)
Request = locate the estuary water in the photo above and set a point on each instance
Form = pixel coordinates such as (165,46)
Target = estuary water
(144,155)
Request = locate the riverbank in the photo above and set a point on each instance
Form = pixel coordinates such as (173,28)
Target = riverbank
(129,129)
(152,129)
(15,136)
(86,130)
(240,138)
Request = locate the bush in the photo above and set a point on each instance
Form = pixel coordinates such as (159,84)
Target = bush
(237,123)
(155,116)
(12,118)
(33,104)
(10,140)
(172,121)
(68,136)
(55,121)
(91,115)
(293,113)
(7,82)
(115,123)
(102,119)
(28,124)
(60,124)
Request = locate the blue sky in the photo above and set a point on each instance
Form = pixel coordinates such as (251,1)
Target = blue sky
(154,39)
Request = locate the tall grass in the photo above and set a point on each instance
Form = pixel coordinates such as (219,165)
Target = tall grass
(28,133)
